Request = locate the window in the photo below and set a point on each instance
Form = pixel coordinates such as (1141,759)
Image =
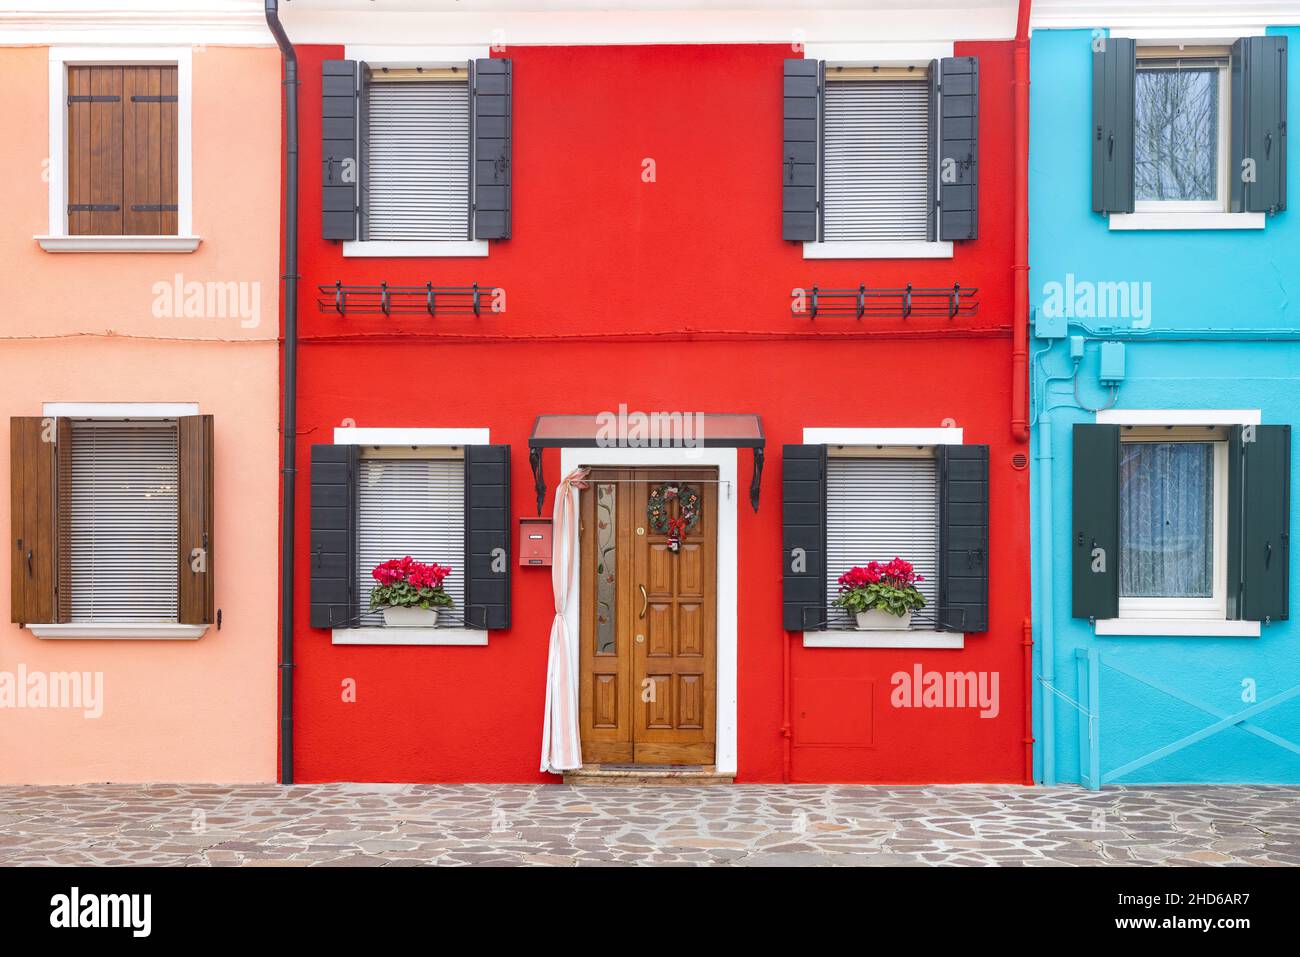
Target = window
(876,155)
(1173,523)
(879,507)
(1181,126)
(417,156)
(410,502)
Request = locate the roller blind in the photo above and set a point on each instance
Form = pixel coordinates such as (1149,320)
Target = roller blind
(876,174)
(417,160)
(119,542)
(411,507)
(876,509)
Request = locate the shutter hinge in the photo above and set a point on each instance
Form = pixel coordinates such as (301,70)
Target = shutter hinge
(93,207)
(79,98)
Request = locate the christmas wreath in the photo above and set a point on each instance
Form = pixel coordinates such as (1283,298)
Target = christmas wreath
(662,523)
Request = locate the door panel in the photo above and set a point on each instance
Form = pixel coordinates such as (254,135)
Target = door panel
(648,634)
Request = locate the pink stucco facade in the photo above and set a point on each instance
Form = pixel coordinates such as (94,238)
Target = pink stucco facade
(97,327)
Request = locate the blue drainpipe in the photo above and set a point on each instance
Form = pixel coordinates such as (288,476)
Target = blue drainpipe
(1047,598)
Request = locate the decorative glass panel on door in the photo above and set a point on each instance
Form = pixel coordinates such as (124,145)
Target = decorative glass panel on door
(606,568)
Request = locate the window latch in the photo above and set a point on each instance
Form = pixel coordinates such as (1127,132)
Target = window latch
(1268,553)
(1110,146)
(29,563)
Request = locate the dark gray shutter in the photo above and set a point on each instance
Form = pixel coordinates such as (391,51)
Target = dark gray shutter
(1265,523)
(340,154)
(1094,540)
(803,538)
(333,535)
(958,172)
(487,536)
(963,537)
(1259,123)
(799,155)
(493,107)
(1114,78)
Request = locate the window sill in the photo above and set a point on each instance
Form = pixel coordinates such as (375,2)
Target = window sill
(408,636)
(1132,221)
(1177,628)
(416,248)
(884,639)
(119,244)
(877,250)
(125,630)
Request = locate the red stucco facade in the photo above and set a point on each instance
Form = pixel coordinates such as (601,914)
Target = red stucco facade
(665,295)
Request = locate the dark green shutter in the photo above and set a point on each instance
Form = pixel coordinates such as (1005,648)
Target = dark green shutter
(801,118)
(1094,540)
(333,560)
(1114,78)
(963,538)
(340,155)
(493,109)
(487,536)
(1259,123)
(803,538)
(1265,522)
(958,172)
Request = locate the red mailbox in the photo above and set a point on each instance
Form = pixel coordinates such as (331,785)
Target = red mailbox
(534,541)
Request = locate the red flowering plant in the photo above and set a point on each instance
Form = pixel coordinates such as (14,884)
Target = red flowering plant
(406,583)
(885,586)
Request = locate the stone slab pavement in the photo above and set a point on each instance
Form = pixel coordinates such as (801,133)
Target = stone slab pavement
(554,825)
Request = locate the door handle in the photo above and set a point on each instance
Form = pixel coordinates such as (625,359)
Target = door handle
(645,601)
(29,563)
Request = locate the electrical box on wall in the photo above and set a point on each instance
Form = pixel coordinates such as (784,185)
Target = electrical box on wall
(1112,362)
(1049,327)
(534,541)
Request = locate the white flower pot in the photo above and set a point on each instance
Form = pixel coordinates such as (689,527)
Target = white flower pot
(399,617)
(877,620)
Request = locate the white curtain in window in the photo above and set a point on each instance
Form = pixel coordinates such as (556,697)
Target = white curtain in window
(1166,518)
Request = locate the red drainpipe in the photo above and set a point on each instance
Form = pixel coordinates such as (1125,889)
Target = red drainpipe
(1020,269)
(786,732)
(1028,643)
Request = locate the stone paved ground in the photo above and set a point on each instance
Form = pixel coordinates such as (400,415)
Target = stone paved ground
(401,824)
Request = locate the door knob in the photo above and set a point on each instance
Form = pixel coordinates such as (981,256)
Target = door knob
(640,639)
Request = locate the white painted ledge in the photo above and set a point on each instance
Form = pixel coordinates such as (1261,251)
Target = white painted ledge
(396,249)
(120,631)
(408,636)
(1132,221)
(884,639)
(876,250)
(119,244)
(1176,628)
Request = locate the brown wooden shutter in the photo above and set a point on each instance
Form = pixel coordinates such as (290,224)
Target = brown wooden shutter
(122,150)
(195,547)
(32,518)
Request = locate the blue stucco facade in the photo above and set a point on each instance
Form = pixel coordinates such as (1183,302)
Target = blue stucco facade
(1215,324)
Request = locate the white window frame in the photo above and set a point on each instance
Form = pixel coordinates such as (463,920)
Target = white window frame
(437,438)
(1180,215)
(119,630)
(1180,627)
(58,239)
(884,437)
(405,57)
(884,55)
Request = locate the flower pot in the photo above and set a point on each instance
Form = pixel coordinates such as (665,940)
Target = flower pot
(877,620)
(401,617)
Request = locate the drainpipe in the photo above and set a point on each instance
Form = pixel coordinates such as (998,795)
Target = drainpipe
(289,416)
(1027,641)
(786,730)
(1020,268)
(1047,597)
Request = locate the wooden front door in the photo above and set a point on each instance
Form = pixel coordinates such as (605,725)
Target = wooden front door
(649,623)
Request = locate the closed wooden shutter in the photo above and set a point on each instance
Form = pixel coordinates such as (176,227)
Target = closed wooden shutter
(119,515)
(878,509)
(122,150)
(963,537)
(487,536)
(958,166)
(341,155)
(196,554)
(876,181)
(333,536)
(1094,542)
(1114,80)
(411,507)
(803,537)
(801,120)
(1266,524)
(417,159)
(493,133)
(1259,123)
(33,535)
